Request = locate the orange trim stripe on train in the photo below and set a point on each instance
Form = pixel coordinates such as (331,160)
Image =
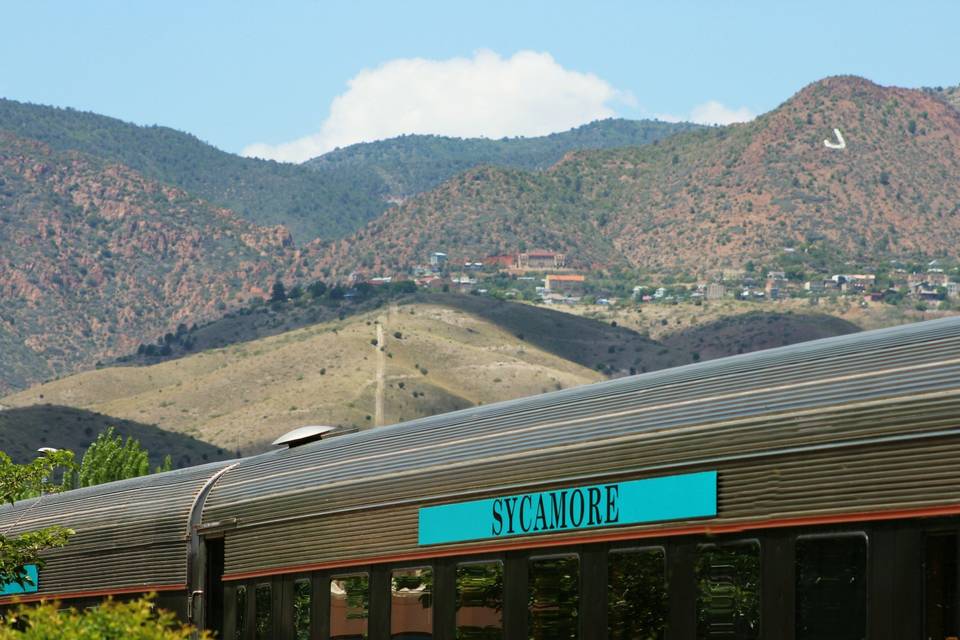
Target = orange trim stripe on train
(519,546)
(929,512)
(98,593)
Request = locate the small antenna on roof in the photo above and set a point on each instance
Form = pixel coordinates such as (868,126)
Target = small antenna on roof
(303,435)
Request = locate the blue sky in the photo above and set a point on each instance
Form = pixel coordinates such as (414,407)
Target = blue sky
(240,73)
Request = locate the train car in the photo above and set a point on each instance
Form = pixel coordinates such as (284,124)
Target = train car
(807,492)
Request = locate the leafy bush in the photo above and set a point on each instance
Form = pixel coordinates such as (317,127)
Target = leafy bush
(111,620)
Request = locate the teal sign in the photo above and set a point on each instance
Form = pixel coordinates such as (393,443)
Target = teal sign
(31,582)
(691,495)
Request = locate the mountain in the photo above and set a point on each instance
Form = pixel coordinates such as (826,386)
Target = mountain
(330,196)
(708,199)
(97,258)
(310,204)
(412,164)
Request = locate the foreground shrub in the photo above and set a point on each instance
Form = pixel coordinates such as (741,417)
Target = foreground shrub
(111,620)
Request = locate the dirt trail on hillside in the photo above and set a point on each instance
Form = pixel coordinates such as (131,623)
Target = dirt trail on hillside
(381,374)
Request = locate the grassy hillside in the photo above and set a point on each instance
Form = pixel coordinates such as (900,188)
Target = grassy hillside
(23,430)
(727,327)
(427,355)
(711,199)
(429,358)
(412,164)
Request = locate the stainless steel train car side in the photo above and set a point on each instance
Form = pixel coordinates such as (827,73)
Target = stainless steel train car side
(833,464)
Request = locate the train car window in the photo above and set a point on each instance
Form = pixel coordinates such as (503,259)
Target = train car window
(479,596)
(728,582)
(831,596)
(940,587)
(240,626)
(411,603)
(636,594)
(302,592)
(349,607)
(263,611)
(554,598)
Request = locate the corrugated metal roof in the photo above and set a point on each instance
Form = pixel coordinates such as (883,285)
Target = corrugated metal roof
(129,533)
(884,387)
(910,360)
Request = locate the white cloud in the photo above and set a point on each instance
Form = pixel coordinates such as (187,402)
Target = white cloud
(712,112)
(527,94)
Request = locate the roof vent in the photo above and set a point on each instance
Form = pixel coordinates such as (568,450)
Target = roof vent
(303,435)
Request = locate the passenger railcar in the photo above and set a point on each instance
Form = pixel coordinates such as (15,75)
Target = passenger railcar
(806,492)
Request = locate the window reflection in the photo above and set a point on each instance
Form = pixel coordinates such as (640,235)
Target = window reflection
(554,598)
(411,603)
(832,588)
(263,615)
(349,606)
(301,609)
(241,618)
(728,581)
(636,594)
(940,582)
(479,598)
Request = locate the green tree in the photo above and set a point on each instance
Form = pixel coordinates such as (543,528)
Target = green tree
(278,293)
(19,481)
(317,288)
(166,465)
(111,458)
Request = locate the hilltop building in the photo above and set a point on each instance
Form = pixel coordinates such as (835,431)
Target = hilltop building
(540,260)
(566,283)
(932,278)
(776,284)
(854,282)
(714,291)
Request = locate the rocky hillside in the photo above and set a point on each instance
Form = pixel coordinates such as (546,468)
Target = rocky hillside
(266,193)
(710,199)
(950,94)
(96,258)
(330,196)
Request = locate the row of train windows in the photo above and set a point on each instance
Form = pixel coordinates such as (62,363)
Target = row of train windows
(831,595)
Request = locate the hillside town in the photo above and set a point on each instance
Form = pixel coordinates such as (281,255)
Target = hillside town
(545,276)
